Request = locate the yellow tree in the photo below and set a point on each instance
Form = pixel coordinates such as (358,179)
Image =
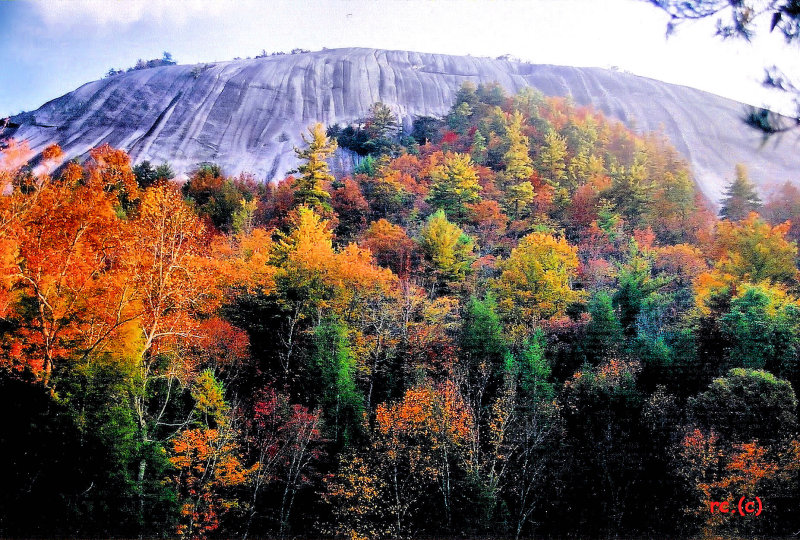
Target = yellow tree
(753,250)
(519,166)
(536,280)
(454,185)
(447,250)
(314,171)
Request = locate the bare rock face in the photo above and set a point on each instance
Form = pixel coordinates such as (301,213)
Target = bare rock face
(247,115)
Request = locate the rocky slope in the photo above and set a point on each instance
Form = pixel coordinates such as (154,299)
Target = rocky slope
(247,115)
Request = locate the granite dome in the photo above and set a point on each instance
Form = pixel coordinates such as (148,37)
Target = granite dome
(247,115)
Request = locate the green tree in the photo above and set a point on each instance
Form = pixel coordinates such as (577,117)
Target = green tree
(604,332)
(425,129)
(335,363)
(763,329)
(741,197)
(636,283)
(214,196)
(459,119)
(747,404)
(602,407)
(482,332)
(382,128)
(145,174)
(463,108)
(478,148)
(534,369)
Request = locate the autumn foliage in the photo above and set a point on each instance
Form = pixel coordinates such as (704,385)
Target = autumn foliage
(519,320)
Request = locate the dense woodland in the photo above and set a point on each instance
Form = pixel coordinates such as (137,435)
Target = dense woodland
(518,320)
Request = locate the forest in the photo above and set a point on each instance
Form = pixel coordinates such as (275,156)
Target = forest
(519,320)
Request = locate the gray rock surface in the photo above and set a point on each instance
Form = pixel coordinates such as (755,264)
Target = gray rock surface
(247,115)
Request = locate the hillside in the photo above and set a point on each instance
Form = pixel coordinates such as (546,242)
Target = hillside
(522,321)
(247,115)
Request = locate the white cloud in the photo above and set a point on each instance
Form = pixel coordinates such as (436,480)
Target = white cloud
(61,13)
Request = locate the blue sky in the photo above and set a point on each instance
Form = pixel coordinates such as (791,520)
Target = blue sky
(50,47)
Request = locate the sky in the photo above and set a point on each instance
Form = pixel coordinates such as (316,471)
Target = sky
(51,47)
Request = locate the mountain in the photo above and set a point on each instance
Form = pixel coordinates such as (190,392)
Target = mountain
(247,115)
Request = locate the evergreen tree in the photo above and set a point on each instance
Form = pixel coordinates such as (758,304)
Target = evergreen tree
(604,332)
(382,127)
(145,174)
(335,365)
(741,197)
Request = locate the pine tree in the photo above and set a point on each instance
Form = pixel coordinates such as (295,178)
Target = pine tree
(382,128)
(741,197)
(309,187)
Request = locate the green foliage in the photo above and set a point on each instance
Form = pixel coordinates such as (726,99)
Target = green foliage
(741,197)
(335,364)
(471,391)
(350,137)
(478,148)
(459,117)
(636,283)
(747,404)
(425,129)
(382,127)
(214,196)
(763,329)
(534,369)
(147,175)
(604,332)
(482,337)
(165,60)
(601,408)
(368,166)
